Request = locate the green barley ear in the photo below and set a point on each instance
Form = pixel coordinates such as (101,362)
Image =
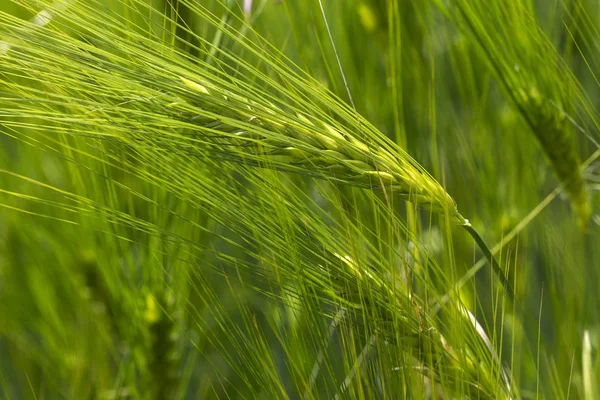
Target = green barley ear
(274,136)
(162,353)
(246,117)
(553,131)
(283,120)
(535,77)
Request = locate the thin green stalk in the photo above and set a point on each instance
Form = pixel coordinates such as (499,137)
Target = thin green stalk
(508,288)
(216,43)
(589,388)
(515,231)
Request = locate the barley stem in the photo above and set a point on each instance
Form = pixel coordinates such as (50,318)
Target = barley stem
(508,288)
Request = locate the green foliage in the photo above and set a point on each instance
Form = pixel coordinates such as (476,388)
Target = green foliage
(201,202)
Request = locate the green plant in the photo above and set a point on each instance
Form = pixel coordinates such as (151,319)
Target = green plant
(199,201)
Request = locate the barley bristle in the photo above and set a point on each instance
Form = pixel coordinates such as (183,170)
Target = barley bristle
(401,317)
